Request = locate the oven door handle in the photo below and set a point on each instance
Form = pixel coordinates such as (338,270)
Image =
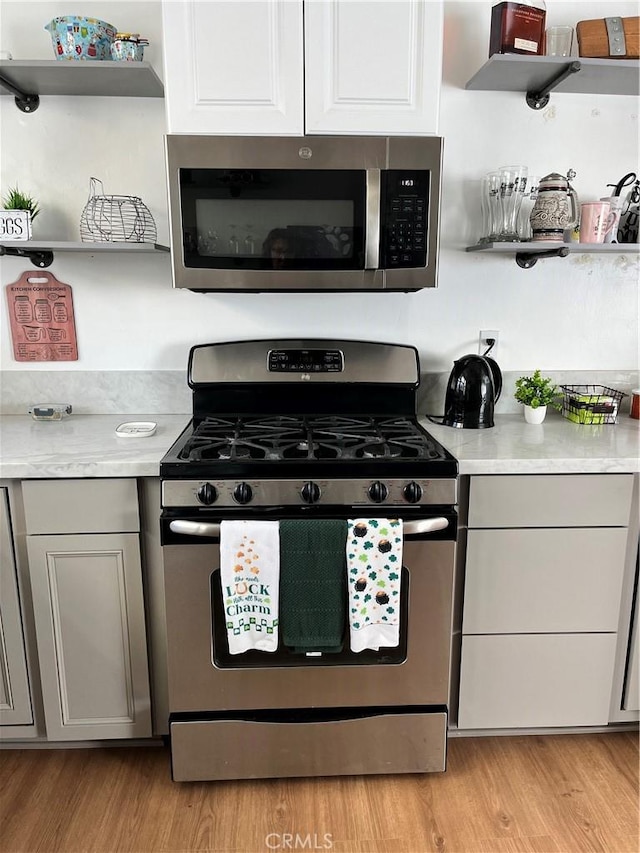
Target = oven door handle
(424,525)
(194,528)
(210,529)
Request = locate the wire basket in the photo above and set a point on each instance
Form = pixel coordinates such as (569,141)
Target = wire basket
(115,218)
(591,404)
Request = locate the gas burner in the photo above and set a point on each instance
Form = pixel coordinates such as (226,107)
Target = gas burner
(324,437)
(377,451)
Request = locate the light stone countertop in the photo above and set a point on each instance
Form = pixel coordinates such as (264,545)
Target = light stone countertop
(87,446)
(83,446)
(556,446)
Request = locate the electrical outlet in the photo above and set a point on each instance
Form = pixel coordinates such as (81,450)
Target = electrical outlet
(483,341)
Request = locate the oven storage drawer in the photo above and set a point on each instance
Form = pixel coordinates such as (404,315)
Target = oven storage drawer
(250,749)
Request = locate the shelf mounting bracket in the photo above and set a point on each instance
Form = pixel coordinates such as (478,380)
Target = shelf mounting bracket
(539,99)
(526,260)
(38,257)
(24,101)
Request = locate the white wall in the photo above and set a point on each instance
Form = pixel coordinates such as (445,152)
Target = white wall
(578,313)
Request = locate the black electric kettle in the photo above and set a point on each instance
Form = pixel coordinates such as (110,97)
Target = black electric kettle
(474,386)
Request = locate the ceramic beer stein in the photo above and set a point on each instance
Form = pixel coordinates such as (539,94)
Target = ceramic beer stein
(556,209)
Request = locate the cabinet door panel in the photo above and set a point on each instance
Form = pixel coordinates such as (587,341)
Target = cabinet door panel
(550,500)
(373,67)
(233,67)
(15,696)
(560,580)
(88,607)
(535,680)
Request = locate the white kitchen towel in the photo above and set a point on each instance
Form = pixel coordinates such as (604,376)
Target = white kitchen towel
(250,574)
(374,572)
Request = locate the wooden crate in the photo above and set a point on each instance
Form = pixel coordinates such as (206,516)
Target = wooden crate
(593,40)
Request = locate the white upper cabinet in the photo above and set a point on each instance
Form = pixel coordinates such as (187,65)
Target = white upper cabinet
(373,67)
(289,67)
(233,67)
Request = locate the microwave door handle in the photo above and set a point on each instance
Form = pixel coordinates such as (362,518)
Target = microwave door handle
(194,528)
(372,229)
(424,525)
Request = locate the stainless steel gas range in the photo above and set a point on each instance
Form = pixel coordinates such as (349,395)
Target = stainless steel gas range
(306,433)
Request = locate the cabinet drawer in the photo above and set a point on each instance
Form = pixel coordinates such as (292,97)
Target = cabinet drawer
(81,506)
(550,580)
(549,500)
(531,680)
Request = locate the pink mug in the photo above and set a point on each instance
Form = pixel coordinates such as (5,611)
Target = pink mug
(596,221)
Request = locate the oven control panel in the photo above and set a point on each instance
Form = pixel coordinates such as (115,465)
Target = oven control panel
(305,360)
(269,493)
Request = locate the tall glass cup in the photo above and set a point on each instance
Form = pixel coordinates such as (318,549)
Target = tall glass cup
(513,185)
(490,207)
(528,200)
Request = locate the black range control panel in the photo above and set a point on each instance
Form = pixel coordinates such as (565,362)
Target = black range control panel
(306,360)
(404,207)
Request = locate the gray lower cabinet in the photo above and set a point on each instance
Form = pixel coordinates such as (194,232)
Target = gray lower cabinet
(544,569)
(15,695)
(83,544)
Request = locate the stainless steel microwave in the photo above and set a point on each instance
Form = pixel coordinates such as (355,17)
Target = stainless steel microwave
(251,213)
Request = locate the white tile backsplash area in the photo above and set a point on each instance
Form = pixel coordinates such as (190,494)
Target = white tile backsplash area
(573,314)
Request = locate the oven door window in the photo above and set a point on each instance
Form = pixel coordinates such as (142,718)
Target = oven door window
(285,657)
(289,219)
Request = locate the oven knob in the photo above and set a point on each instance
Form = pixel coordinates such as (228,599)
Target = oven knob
(310,493)
(242,493)
(207,494)
(378,492)
(412,492)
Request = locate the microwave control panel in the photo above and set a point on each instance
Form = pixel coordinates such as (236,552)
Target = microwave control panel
(405,208)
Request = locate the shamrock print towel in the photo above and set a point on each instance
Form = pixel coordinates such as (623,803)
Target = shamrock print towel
(374,569)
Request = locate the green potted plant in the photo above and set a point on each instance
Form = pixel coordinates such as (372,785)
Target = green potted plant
(17,200)
(535,393)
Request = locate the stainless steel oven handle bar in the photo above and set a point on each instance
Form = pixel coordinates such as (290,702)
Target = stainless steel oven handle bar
(204,528)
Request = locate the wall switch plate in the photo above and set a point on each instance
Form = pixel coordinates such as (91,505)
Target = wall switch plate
(483,344)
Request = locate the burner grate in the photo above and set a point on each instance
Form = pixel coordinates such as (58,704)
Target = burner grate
(308,438)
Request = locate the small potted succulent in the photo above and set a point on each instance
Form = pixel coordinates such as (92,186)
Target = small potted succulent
(535,393)
(17,200)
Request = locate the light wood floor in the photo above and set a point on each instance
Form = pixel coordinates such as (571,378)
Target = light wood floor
(534,794)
